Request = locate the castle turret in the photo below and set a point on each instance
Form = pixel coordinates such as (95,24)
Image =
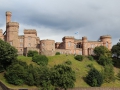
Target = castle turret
(12,33)
(47,47)
(84,49)
(8,16)
(106,39)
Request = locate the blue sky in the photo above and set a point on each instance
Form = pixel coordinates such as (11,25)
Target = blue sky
(54,19)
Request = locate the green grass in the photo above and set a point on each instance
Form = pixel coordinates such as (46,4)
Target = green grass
(80,68)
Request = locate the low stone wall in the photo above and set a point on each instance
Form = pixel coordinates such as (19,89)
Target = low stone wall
(95,88)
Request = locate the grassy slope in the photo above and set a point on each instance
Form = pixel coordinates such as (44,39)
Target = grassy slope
(80,69)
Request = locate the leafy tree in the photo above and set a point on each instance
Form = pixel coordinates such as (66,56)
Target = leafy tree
(31,53)
(102,50)
(90,58)
(94,78)
(40,59)
(63,76)
(103,60)
(79,57)
(116,49)
(108,73)
(7,54)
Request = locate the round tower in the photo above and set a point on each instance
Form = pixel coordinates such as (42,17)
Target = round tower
(106,39)
(8,16)
(47,47)
(84,49)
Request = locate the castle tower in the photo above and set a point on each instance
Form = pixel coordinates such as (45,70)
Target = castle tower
(106,39)
(84,49)
(8,16)
(47,47)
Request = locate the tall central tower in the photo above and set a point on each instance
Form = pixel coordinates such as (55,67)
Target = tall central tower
(11,30)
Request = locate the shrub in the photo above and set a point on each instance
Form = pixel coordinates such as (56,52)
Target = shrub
(31,53)
(90,58)
(103,60)
(40,59)
(57,53)
(68,62)
(79,57)
(94,78)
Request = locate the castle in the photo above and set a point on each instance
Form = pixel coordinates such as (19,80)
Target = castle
(30,41)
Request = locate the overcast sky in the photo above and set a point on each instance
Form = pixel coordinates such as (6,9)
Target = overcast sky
(54,19)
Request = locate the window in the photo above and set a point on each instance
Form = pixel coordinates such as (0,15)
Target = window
(29,38)
(107,44)
(21,45)
(69,44)
(11,43)
(21,40)
(29,44)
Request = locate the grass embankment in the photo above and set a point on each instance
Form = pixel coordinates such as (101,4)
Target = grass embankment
(80,67)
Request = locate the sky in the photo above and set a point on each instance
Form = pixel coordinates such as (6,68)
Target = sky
(54,19)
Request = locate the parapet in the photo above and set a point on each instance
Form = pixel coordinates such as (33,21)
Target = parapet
(12,24)
(8,13)
(1,30)
(68,37)
(105,36)
(84,38)
(30,31)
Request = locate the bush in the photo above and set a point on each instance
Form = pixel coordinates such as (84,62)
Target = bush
(103,60)
(40,59)
(108,73)
(57,53)
(94,78)
(90,58)
(79,57)
(68,62)
(31,53)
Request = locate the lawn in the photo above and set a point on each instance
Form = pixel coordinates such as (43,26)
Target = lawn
(80,67)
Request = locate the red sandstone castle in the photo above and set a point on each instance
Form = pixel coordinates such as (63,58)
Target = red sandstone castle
(30,41)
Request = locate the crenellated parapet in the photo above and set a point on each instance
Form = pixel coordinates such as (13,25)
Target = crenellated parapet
(30,31)
(12,24)
(105,36)
(8,13)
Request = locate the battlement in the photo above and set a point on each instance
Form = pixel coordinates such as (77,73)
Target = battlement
(105,36)
(8,13)
(1,30)
(83,38)
(12,24)
(30,31)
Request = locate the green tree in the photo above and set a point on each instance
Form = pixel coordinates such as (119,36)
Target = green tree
(32,53)
(63,76)
(40,59)
(7,54)
(116,49)
(108,73)
(102,50)
(94,78)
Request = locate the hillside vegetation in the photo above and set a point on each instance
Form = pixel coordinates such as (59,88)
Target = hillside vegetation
(81,69)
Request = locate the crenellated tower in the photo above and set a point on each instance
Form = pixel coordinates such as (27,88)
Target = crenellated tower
(11,30)
(106,39)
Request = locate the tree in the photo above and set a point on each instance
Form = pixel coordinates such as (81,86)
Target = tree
(102,50)
(31,53)
(108,73)
(79,57)
(7,54)
(40,59)
(94,78)
(116,49)
(63,76)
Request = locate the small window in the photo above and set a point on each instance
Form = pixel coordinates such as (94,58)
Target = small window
(11,43)
(69,44)
(29,44)
(21,40)
(29,38)
(21,45)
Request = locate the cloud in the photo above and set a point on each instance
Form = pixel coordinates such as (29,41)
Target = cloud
(57,18)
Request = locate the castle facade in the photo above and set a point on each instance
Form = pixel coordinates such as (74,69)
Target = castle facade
(30,41)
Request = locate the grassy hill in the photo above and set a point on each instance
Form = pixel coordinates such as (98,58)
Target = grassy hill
(80,67)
